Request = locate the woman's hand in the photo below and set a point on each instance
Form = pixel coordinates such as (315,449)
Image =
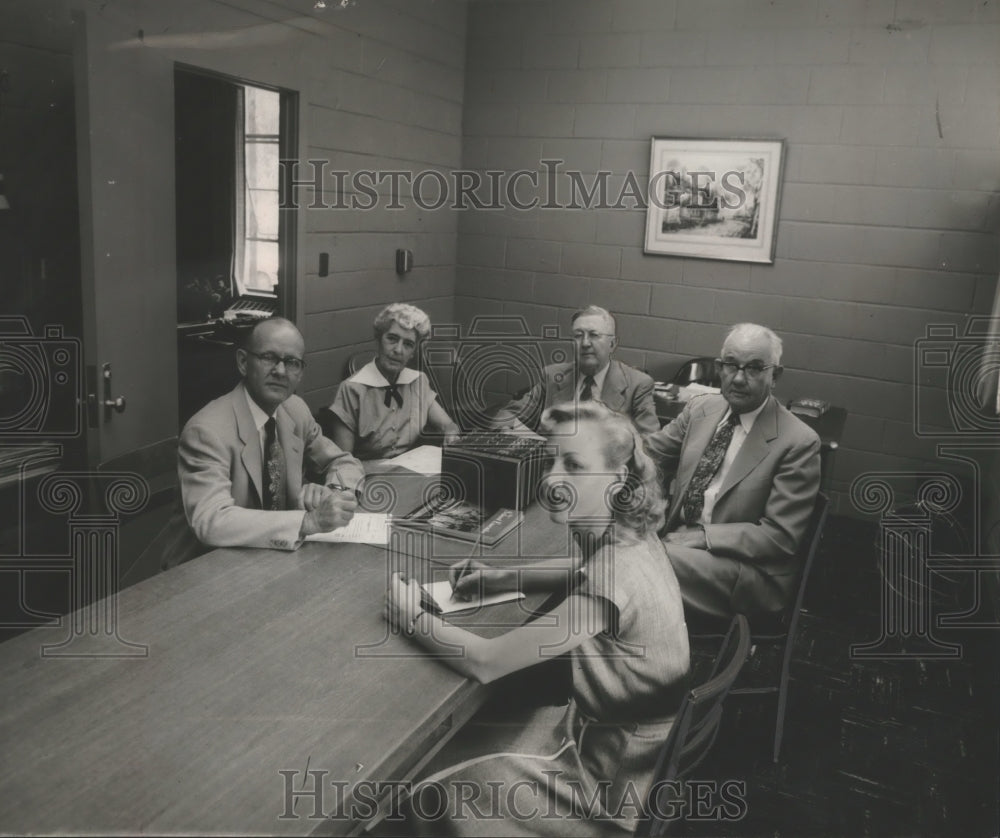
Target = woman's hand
(471,576)
(402,601)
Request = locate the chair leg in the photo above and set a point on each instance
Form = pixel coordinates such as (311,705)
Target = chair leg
(779,721)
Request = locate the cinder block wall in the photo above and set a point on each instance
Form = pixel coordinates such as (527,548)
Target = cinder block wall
(889,213)
(384,90)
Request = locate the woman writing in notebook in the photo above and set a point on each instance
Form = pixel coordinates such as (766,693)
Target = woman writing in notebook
(623,626)
(383,408)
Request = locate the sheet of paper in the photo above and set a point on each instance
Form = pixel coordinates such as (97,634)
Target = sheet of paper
(364,528)
(425,459)
(440,592)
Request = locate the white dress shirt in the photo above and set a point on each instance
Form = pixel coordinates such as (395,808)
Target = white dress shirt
(740,432)
(260,420)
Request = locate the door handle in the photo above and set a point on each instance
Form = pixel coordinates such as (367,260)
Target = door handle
(110,404)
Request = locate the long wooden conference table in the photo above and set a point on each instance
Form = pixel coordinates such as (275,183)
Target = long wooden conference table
(262,693)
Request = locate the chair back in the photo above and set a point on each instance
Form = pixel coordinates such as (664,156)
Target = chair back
(698,371)
(808,551)
(155,463)
(157,537)
(357,361)
(695,728)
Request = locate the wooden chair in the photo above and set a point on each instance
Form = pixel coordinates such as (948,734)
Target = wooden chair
(357,361)
(782,630)
(698,371)
(694,730)
(157,537)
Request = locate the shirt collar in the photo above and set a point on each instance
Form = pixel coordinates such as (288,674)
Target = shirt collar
(747,419)
(259,416)
(370,376)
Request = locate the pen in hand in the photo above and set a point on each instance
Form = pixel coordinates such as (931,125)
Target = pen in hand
(465,570)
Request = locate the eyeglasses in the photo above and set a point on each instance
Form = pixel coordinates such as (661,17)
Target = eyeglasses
(755,369)
(292,364)
(578,336)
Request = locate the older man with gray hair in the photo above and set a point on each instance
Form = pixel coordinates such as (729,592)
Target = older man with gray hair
(746,476)
(594,375)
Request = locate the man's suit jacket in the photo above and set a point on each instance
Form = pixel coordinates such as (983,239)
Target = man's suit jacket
(626,390)
(220,466)
(764,504)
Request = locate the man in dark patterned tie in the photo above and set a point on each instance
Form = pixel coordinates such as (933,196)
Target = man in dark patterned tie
(746,474)
(245,458)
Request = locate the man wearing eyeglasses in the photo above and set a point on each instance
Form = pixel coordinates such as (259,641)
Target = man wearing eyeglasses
(746,476)
(242,458)
(595,375)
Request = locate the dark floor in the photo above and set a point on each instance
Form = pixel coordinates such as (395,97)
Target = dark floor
(872,747)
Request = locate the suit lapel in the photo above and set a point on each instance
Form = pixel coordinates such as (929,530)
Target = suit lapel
(292,445)
(615,385)
(250,437)
(564,385)
(700,433)
(754,448)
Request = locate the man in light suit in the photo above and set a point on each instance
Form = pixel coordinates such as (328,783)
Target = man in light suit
(744,486)
(595,375)
(242,476)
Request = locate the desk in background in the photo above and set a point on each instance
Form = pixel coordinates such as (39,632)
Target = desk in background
(258,662)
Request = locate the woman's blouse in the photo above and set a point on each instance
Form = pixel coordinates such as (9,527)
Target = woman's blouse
(385,421)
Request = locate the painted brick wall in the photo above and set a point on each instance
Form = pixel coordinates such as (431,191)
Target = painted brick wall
(889,213)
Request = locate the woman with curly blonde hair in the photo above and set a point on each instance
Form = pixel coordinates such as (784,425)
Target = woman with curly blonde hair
(622,624)
(383,408)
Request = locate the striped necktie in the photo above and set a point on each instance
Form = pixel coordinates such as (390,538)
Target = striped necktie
(587,391)
(708,465)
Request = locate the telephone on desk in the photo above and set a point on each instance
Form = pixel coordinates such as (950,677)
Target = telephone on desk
(810,408)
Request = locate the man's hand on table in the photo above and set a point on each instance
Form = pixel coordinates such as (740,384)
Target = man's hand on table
(326,509)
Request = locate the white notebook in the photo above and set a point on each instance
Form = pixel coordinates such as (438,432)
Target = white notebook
(440,594)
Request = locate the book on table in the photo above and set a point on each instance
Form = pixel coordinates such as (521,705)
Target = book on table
(462,520)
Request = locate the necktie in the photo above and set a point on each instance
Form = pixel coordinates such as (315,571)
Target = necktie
(392,392)
(274,468)
(708,465)
(587,391)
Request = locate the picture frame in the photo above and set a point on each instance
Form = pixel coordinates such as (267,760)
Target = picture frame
(714,198)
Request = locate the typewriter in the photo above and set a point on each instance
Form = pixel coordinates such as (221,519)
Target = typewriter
(249,308)
(497,469)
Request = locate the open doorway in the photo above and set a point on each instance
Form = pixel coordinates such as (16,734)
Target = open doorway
(235,246)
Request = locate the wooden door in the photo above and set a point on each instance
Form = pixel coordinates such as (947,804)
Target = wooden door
(125,148)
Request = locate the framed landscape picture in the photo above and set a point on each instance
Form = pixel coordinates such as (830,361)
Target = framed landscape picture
(714,199)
